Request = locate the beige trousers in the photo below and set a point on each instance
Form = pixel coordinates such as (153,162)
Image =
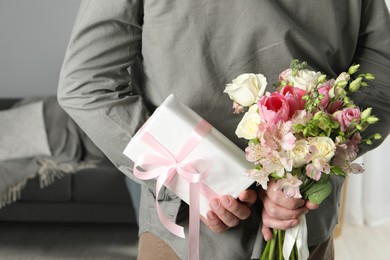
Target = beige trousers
(151,247)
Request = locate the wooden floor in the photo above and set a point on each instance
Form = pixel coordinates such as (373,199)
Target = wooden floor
(363,242)
(23,241)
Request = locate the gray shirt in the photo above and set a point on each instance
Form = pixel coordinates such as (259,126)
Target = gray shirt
(126,56)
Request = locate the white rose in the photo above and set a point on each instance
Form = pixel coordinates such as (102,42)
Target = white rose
(299,153)
(305,79)
(325,147)
(248,126)
(246,88)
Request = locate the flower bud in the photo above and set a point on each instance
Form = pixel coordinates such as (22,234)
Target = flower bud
(372,120)
(366,113)
(355,85)
(317,115)
(341,83)
(369,76)
(353,69)
(321,79)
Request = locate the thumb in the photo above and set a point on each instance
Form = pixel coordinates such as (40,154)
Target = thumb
(310,205)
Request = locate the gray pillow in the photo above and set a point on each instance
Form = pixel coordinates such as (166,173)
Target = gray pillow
(23,133)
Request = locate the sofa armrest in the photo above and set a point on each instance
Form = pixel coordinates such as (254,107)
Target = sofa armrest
(6,103)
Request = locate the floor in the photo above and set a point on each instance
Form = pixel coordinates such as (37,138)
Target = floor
(23,241)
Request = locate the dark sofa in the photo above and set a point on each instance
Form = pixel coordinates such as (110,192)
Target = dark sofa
(89,195)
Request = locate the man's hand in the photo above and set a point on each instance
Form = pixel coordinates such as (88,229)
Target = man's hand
(279,211)
(226,212)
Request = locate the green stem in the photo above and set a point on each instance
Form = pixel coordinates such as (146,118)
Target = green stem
(272,246)
(265,251)
(292,256)
(280,244)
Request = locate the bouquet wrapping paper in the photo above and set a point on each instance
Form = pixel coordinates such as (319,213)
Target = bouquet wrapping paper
(188,156)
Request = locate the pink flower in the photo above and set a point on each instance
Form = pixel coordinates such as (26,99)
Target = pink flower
(290,186)
(285,75)
(348,116)
(276,162)
(261,177)
(301,117)
(273,108)
(294,98)
(353,168)
(327,104)
(319,163)
(347,152)
(325,91)
(315,169)
(237,108)
(255,152)
(277,136)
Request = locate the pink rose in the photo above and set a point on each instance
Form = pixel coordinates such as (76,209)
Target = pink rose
(325,91)
(294,98)
(273,108)
(330,107)
(346,116)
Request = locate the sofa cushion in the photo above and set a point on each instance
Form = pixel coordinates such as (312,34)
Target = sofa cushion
(59,191)
(23,133)
(103,184)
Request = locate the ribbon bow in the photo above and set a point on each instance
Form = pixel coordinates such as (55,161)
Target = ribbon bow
(165,166)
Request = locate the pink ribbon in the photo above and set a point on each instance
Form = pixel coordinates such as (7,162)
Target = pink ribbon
(165,166)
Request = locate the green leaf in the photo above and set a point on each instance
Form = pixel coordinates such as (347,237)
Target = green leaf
(337,171)
(319,190)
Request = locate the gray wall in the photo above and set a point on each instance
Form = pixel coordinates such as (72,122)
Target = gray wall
(33,39)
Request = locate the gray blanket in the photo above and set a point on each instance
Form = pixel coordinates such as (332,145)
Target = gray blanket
(71,151)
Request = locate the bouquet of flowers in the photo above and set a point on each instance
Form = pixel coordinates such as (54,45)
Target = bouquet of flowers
(300,135)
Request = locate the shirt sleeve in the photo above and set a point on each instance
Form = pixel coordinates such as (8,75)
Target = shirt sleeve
(373,54)
(96,86)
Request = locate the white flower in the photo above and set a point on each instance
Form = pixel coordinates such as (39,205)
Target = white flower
(299,153)
(246,88)
(305,79)
(248,126)
(324,148)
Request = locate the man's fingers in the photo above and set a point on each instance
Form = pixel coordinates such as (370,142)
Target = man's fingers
(235,207)
(226,209)
(226,212)
(267,233)
(214,223)
(275,223)
(248,197)
(278,212)
(278,197)
(311,205)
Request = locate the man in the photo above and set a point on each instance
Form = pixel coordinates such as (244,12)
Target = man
(126,56)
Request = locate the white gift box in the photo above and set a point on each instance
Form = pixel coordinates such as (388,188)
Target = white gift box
(171,124)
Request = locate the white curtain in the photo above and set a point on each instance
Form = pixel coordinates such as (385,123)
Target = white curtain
(367,199)
(367,195)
